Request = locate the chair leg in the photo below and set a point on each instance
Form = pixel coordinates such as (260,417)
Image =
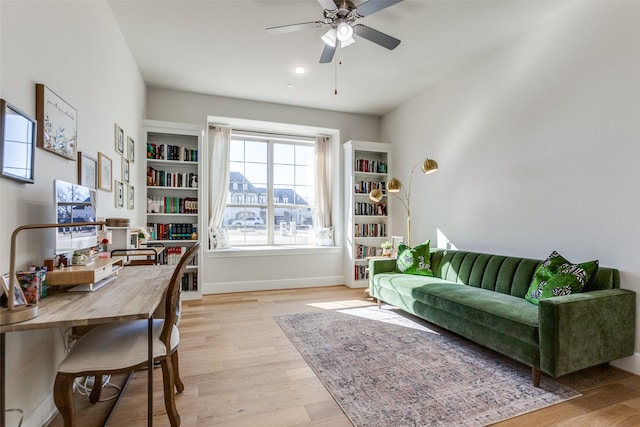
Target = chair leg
(63,398)
(169,397)
(176,372)
(94,397)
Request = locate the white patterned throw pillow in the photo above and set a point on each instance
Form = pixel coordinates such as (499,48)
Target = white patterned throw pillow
(324,236)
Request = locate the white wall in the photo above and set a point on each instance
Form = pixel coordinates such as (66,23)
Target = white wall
(77,50)
(538,145)
(223,271)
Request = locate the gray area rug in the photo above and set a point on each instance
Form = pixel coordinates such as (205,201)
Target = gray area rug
(386,368)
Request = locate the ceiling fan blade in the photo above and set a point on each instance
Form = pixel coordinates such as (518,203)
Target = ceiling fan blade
(376,36)
(327,54)
(373,6)
(328,4)
(295,27)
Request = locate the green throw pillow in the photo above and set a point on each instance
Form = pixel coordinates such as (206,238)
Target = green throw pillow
(557,276)
(414,260)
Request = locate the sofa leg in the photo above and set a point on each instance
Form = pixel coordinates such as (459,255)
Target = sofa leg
(535,373)
(379,303)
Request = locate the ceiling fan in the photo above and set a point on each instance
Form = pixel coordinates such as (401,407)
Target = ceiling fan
(341,16)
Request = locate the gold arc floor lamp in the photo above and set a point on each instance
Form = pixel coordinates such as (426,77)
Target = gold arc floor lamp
(395,185)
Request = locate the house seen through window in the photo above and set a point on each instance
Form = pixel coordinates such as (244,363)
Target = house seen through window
(279,166)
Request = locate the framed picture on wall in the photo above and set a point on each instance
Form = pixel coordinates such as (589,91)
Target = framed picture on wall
(104,172)
(131,145)
(130,197)
(87,170)
(119,194)
(17,142)
(119,140)
(125,170)
(57,123)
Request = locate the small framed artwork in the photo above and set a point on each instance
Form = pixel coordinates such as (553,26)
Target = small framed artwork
(17,142)
(119,138)
(395,242)
(57,123)
(125,170)
(18,295)
(119,193)
(130,197)
(131,145)
(87,170)
(104,172)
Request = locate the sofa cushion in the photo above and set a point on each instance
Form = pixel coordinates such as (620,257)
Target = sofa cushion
(507,314)
(415,260)
(556,277)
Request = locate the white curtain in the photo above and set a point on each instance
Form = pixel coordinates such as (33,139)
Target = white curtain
(323,187)
(219,142)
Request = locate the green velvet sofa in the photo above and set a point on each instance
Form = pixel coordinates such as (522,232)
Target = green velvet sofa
(481,297)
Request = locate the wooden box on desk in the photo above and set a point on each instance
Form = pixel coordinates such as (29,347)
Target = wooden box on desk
(81,274)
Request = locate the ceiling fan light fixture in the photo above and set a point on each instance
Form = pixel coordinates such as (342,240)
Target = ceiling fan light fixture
(329,38)
(344,31)
(347,42)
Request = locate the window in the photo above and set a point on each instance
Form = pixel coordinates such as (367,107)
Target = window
(278,165)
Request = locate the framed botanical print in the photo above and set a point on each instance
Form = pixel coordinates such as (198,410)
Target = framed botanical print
(104,172)
(57,123)
(119,140)
(131,145)
(125,170)
(130,197)
(87,170)
(119,194)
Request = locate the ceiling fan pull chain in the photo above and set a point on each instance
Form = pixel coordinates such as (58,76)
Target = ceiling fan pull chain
(338,62)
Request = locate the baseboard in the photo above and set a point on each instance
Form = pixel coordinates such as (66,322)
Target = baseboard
(630,364)
(41,415)
(268,285)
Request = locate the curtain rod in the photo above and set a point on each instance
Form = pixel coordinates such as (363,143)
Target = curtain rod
(259,132)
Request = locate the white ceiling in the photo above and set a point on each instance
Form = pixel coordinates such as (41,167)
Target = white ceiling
(220,47)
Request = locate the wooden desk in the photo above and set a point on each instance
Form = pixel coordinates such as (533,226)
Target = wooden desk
(134,295)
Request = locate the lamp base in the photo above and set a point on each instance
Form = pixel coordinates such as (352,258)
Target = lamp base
(18,314)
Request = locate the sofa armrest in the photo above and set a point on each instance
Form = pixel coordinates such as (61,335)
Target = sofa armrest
(377,266)
(587,329)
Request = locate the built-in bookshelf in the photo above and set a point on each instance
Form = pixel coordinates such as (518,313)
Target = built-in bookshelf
(173,195)
(366,169)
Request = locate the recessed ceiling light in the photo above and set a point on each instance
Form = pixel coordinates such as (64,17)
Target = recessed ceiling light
(290,85)
(299,69)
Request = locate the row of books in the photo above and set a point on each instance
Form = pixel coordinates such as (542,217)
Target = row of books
(370,209)
(370,230)
(172,231)
(160,178)
(190,281)
(361,272)
(179,205)
(172,255)
(171,152)
(363,251)
(374,166)
(366,186)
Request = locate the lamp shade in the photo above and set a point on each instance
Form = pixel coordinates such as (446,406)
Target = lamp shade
(344,31)
(329,38)
(429,166)
(394,185)
(376,195)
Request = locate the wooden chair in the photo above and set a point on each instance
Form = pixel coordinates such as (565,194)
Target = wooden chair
(116,348)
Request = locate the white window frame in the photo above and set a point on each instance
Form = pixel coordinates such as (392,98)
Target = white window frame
(270,139)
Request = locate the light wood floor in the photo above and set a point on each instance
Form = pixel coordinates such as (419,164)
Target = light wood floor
(240,369)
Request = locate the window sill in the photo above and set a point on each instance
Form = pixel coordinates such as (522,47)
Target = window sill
(253,251)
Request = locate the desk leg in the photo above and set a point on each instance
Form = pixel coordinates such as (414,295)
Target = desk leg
(3,366)
(150,374)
